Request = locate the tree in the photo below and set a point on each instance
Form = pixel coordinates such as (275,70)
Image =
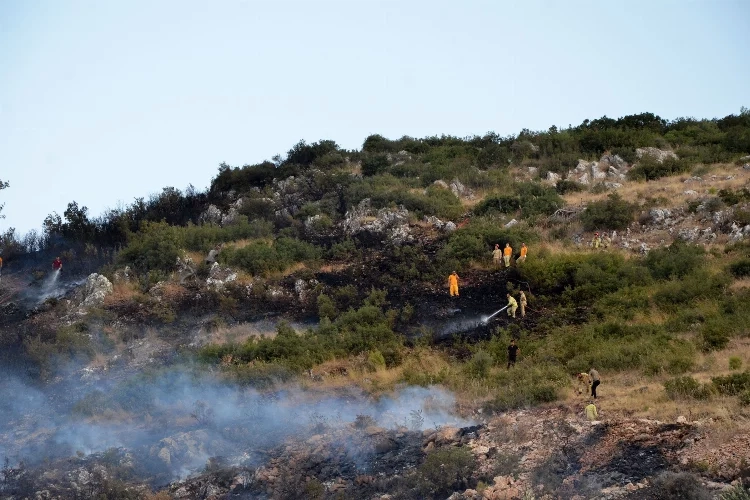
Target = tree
(3,185)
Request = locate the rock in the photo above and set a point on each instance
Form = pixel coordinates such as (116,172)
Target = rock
(510,224)
(449,227)
(460,190)
(746,166)
(212,215)
(612,185)
(658,154)
(391,224)
(598,175)
(95,290)
(659,215)
(681,419)
(434,222)
(687,234)
(533,171)
(584,179)
(693,179)
(553,178)
(440,183)
(614,161)
(230,217)
(690,192)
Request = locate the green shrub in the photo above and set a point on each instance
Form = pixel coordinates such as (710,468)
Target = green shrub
(735,363)
(733,384)
(155,246)
(480,365)
(524,386)
(648,168)
(375,360)
(326,307)
(682,485)
(375,164)
(714,335)
(738,492)
(259,257)
(741,268)
(675,261)
(687,388)
(564,187)
(446,470)
(612,213)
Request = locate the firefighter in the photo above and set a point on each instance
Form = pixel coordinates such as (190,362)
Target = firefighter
(496,254)
(512,306)
(57,264)
(597,241)
(522,301)
(453,284)
(524,249)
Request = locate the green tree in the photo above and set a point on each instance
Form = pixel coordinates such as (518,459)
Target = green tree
(3,185)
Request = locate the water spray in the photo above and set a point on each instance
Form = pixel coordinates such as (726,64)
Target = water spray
(485,320)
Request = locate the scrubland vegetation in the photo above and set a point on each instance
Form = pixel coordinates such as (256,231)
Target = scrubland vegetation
(654,315)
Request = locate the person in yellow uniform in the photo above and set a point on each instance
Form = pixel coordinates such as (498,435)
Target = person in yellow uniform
(522,301)
(512,306)
(507,252)
(453,284)
(496,255)
(591,413)
(524,249)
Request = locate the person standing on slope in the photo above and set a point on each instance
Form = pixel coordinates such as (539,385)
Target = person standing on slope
(496,255)
(522,258)
(513,351)
(512,306)
(594,381)
(507,252)
(57,264)
(522,300)
(453,284)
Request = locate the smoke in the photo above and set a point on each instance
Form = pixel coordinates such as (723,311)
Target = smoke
(178,419)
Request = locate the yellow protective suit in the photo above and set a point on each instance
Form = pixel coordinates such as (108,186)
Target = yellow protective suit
(512,306)
(453,284)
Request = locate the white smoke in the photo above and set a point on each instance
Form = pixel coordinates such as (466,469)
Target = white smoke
(180,418)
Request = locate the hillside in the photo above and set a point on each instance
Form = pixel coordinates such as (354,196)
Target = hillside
(289,332)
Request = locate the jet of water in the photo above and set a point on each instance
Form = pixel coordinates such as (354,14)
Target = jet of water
(485,319)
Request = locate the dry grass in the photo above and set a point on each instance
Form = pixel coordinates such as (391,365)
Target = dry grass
(740,284)
(333,268)
(633,394)
(122,292)
(672,189)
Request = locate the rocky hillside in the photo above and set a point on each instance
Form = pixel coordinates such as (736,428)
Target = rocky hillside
(289,333)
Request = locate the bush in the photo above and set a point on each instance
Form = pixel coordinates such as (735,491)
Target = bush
(734,384)
(648,168)
(714,335)
(564,187)
(740,269)
(735,363)
(687,388)
(675,261)
(447,470)
(259,257)
(375,164)
(682,485)
(480,364)
(612,213)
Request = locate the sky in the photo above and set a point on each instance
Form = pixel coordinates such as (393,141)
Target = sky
(103,102)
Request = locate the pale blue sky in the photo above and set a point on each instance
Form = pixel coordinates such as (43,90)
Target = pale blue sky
(101,102)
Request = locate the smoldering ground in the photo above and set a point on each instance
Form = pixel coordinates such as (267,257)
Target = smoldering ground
(173,421)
